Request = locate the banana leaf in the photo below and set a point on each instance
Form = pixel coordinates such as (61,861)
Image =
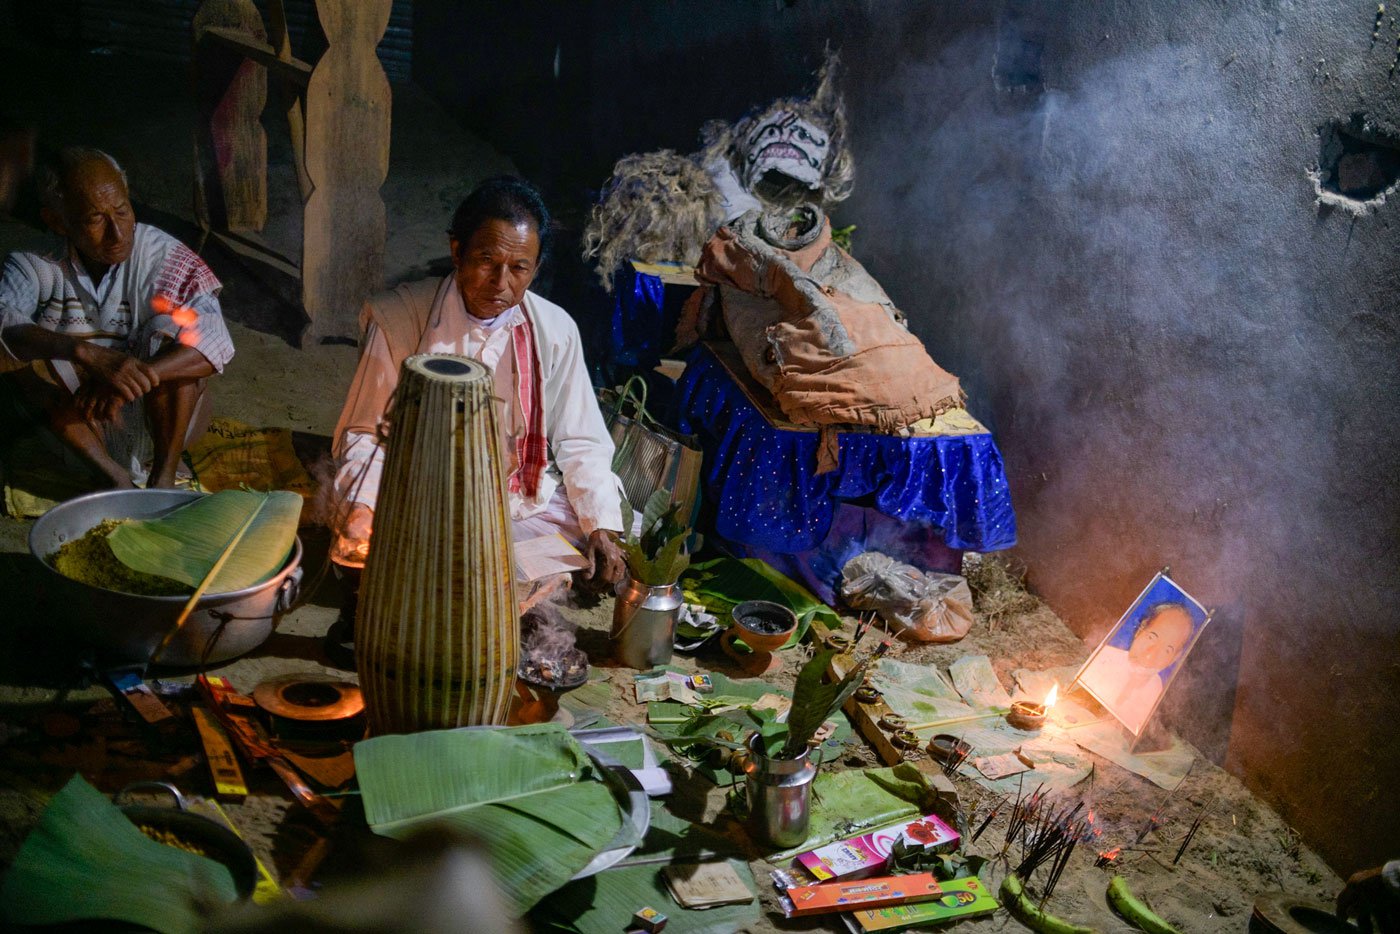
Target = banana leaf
(256,529)
(87,861)
(722,583)
(531,794)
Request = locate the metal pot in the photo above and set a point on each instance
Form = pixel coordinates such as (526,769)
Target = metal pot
(779,793)
(126,628)
(216,841)
(644,623)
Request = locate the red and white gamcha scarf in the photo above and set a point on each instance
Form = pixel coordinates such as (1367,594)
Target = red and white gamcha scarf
(532,447)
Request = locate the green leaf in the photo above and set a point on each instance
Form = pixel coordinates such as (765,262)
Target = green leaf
(530,793)
(657,571)
(187,543)
(655,508)
(814,700)
(87,861)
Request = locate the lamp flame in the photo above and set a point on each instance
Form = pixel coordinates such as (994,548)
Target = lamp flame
(1052,696)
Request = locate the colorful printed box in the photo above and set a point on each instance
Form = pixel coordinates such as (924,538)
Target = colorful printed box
(961,898)
(864,893)
(867,854)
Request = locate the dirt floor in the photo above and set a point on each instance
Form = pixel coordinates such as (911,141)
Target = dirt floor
(1242,849)
(50,726)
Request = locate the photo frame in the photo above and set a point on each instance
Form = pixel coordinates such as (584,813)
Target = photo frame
(1138,659)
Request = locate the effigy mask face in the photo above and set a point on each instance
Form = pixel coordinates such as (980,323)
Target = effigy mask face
(783,142)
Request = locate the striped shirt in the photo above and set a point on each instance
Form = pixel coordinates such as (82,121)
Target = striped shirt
(163,292)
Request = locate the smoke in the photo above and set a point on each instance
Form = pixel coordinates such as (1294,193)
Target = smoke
(1116,245)
(1102,265)
(1112,246)
(548,635)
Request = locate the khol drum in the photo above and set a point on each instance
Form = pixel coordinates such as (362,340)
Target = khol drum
(436,638)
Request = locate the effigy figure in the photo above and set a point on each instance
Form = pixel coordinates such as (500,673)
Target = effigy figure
(664,206)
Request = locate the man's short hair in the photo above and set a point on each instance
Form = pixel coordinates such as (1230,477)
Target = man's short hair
(54,170)
(505,198)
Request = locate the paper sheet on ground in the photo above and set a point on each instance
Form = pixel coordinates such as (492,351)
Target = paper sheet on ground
(546,555)
(920,694)
(1101,734)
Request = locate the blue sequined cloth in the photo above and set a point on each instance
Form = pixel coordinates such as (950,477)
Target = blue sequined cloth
(764,486)
(643,323)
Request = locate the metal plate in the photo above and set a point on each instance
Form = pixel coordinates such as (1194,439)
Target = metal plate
(634,804)
(310,697)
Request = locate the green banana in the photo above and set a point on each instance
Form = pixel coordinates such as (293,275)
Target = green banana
(1134,911)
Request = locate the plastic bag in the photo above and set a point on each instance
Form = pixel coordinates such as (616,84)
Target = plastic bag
(924,606)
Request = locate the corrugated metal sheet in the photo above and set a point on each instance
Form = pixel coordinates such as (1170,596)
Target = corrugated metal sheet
(160,29)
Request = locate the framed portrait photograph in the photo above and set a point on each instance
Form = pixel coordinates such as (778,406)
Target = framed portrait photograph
(1135,663)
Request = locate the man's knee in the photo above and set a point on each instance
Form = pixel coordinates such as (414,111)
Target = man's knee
(38,392)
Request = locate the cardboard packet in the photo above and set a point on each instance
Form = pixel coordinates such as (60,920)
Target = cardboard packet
(847,895)
(961,898)
(867,854)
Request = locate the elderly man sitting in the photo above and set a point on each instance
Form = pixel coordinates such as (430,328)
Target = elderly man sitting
(111,341)
(558,452)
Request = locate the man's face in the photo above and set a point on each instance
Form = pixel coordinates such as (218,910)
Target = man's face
(495,266)
(784,142)
(97,218)
(1159,642)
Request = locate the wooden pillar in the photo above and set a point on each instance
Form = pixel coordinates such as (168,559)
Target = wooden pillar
(230,144)
(347,157)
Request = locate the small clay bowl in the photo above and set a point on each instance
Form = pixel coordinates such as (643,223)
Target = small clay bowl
(945,746)
(905,739)
(1026,715)
(763,625)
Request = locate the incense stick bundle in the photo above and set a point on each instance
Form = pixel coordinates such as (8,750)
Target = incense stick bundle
(437,639)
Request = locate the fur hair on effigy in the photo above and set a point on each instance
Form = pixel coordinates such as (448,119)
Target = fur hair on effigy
(656,206)
(664,206)
(826,108)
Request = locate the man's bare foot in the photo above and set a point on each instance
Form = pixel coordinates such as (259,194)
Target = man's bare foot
(161,479)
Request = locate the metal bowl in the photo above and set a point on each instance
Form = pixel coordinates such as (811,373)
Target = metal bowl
(120,627)
(196,832)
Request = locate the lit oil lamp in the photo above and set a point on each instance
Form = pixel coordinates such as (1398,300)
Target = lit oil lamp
(1030,716)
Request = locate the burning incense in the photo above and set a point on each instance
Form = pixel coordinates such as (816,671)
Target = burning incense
(1155,820)
(956,757)
(1108,858)
(1190,834)
(996,809)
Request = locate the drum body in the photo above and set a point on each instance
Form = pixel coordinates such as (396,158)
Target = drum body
(436,635)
